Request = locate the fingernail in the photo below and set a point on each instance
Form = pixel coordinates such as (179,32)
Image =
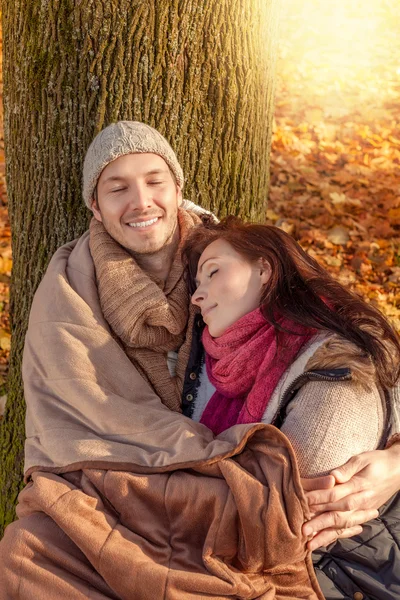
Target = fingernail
(308,530)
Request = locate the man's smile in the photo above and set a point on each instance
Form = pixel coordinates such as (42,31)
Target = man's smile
(142,224)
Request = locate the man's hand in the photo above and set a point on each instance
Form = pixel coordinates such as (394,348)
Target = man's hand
(350,496)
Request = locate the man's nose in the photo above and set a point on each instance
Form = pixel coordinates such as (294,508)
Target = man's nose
(140,198)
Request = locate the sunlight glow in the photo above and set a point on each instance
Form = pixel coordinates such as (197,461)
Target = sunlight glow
(336,45)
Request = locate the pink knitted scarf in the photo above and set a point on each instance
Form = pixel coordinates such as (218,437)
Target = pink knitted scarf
(245,365)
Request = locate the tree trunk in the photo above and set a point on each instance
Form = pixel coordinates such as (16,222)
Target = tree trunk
(202,72)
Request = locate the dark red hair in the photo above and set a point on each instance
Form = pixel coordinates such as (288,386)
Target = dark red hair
(301,290)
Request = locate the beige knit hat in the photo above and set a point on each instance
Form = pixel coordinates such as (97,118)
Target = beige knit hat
(118,139)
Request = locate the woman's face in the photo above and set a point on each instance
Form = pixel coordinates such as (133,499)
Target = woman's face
(228,286)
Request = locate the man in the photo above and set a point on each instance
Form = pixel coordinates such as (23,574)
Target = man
(117,480)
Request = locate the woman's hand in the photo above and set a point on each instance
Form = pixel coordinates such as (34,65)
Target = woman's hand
(350,496)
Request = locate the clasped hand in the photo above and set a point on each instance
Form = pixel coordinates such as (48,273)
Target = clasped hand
(341,502)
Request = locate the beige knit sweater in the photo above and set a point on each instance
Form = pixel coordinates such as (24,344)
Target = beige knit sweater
(327,422)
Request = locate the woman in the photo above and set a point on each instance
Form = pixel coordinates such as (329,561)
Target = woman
(286,344)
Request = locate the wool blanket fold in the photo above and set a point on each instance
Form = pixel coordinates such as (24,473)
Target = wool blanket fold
(229,528)
(127,499)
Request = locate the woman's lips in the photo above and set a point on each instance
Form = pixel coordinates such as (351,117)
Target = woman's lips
(207,310)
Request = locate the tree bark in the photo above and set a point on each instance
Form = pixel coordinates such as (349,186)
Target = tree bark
(202,72)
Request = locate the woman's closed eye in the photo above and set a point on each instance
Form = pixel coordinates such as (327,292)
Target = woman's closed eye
(212,273)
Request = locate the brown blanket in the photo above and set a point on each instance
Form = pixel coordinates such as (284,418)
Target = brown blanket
(128,499)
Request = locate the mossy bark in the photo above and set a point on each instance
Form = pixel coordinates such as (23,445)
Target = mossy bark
(200,71)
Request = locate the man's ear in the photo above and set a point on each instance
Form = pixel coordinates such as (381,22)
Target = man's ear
(265,270)
(96,210)
(179,195)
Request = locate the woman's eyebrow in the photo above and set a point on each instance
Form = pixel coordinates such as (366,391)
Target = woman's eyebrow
(204,262)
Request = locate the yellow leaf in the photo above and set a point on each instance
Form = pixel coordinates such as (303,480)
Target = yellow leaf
(5,343)
(272,216)
(5,265)
(338,198)
(333,261)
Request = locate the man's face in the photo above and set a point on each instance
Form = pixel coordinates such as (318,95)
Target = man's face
(137,202)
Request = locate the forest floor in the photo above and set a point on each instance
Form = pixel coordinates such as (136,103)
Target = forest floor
(335,163)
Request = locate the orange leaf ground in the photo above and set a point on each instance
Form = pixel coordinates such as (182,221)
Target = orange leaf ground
(335,165)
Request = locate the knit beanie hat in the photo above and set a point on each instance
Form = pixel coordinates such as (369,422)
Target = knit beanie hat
(118,139)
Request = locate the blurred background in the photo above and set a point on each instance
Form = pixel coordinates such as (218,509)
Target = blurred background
(335,164)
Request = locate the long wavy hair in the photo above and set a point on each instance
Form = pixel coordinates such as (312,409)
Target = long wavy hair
(301,290)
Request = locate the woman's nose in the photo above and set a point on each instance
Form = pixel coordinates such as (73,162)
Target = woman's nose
(198,297)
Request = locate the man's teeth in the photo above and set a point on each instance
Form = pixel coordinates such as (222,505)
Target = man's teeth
(143,223)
